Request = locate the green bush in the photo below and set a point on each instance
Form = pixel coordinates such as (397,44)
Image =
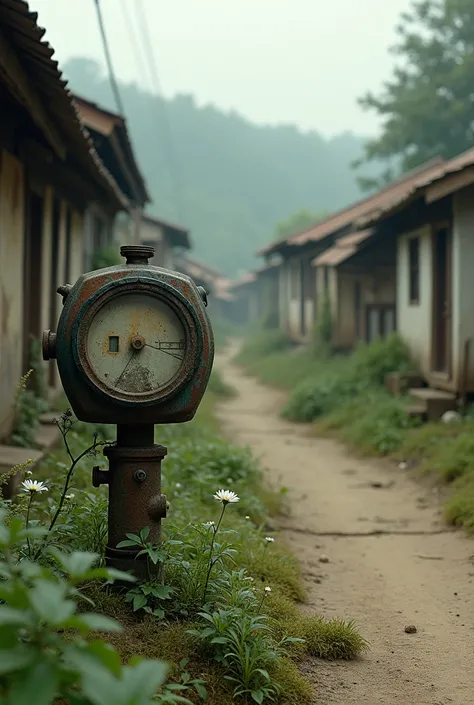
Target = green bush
(337,381)
(219,387)
(107,256)
(376,422)
(262,343)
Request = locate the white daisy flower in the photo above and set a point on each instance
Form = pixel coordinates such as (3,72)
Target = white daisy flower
(226,497)
(34,486)
(269,539)
(268,590)
(210,523)
(178,485)
(247,517)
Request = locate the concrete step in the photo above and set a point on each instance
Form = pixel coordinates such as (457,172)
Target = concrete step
(48,419)
(47,436)
(435,401)
(11,456)
(398,383)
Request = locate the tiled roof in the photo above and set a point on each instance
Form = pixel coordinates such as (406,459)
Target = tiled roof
(350,215)
(19,27)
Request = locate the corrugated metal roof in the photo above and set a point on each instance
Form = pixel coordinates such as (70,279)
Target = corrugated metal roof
(353,213)
(343,249)
(444,170)
(20,27)
(105,123)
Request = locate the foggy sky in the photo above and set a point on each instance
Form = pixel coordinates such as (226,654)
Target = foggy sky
(275,61)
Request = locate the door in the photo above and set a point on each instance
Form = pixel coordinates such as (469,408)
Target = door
(55,277)
(303,290)
(442,298)
(32,264)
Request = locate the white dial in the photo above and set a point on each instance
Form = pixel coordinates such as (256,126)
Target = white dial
(136,344)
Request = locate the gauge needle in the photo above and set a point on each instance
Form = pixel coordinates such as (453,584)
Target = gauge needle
(167,352)
(126,367)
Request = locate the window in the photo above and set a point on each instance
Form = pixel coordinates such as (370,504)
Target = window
(414,270)
(380,321)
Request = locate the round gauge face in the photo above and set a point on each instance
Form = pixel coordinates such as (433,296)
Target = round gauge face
(136,344)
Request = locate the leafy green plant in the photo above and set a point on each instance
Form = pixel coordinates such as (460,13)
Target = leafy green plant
(338,381)
(322,335)
(262,343)
(27,409)
(44,652)
(107,256)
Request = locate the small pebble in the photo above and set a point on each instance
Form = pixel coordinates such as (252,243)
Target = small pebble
(410,629)
(323,559)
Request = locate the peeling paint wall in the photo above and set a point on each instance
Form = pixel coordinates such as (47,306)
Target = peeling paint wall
(76,267)
(415,320)
(12,199)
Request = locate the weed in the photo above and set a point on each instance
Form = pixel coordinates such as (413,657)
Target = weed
(219,387)
(206,567)
(263,343)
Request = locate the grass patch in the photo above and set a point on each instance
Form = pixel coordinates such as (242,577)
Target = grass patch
(345,396)
(198,463)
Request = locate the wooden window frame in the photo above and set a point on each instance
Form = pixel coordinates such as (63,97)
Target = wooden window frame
(381,309)
(414,272)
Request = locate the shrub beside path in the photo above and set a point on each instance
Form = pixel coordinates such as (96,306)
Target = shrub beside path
(374,548)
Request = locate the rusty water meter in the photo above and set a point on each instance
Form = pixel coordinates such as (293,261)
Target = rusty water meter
(134,347)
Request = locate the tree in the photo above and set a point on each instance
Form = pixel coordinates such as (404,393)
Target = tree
(296,222)
(427,107)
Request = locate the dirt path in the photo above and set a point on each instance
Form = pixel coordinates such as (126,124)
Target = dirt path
(415,572)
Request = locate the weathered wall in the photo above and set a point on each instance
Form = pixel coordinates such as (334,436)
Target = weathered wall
(414,321)
(153,234)
(11,273)
(463,282)
(76,267)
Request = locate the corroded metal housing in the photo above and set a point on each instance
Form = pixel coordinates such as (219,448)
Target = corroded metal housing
(90,399)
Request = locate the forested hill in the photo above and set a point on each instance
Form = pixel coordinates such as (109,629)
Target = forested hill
(233,180)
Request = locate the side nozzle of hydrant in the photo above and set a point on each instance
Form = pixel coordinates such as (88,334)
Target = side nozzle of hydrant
(157,507)
(99,476)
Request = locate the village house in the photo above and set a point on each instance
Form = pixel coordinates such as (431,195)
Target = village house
(329,264)
(170,241)
(432,227)
(50,174)
(111,140)
(246,308)
(217,286)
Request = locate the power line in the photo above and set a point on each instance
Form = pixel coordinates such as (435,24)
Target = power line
(136,46)
(152,64)
(108,58)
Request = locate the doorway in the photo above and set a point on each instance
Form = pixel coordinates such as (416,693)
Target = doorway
(32,265)
(54,273)
(442,300)
(303,288)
